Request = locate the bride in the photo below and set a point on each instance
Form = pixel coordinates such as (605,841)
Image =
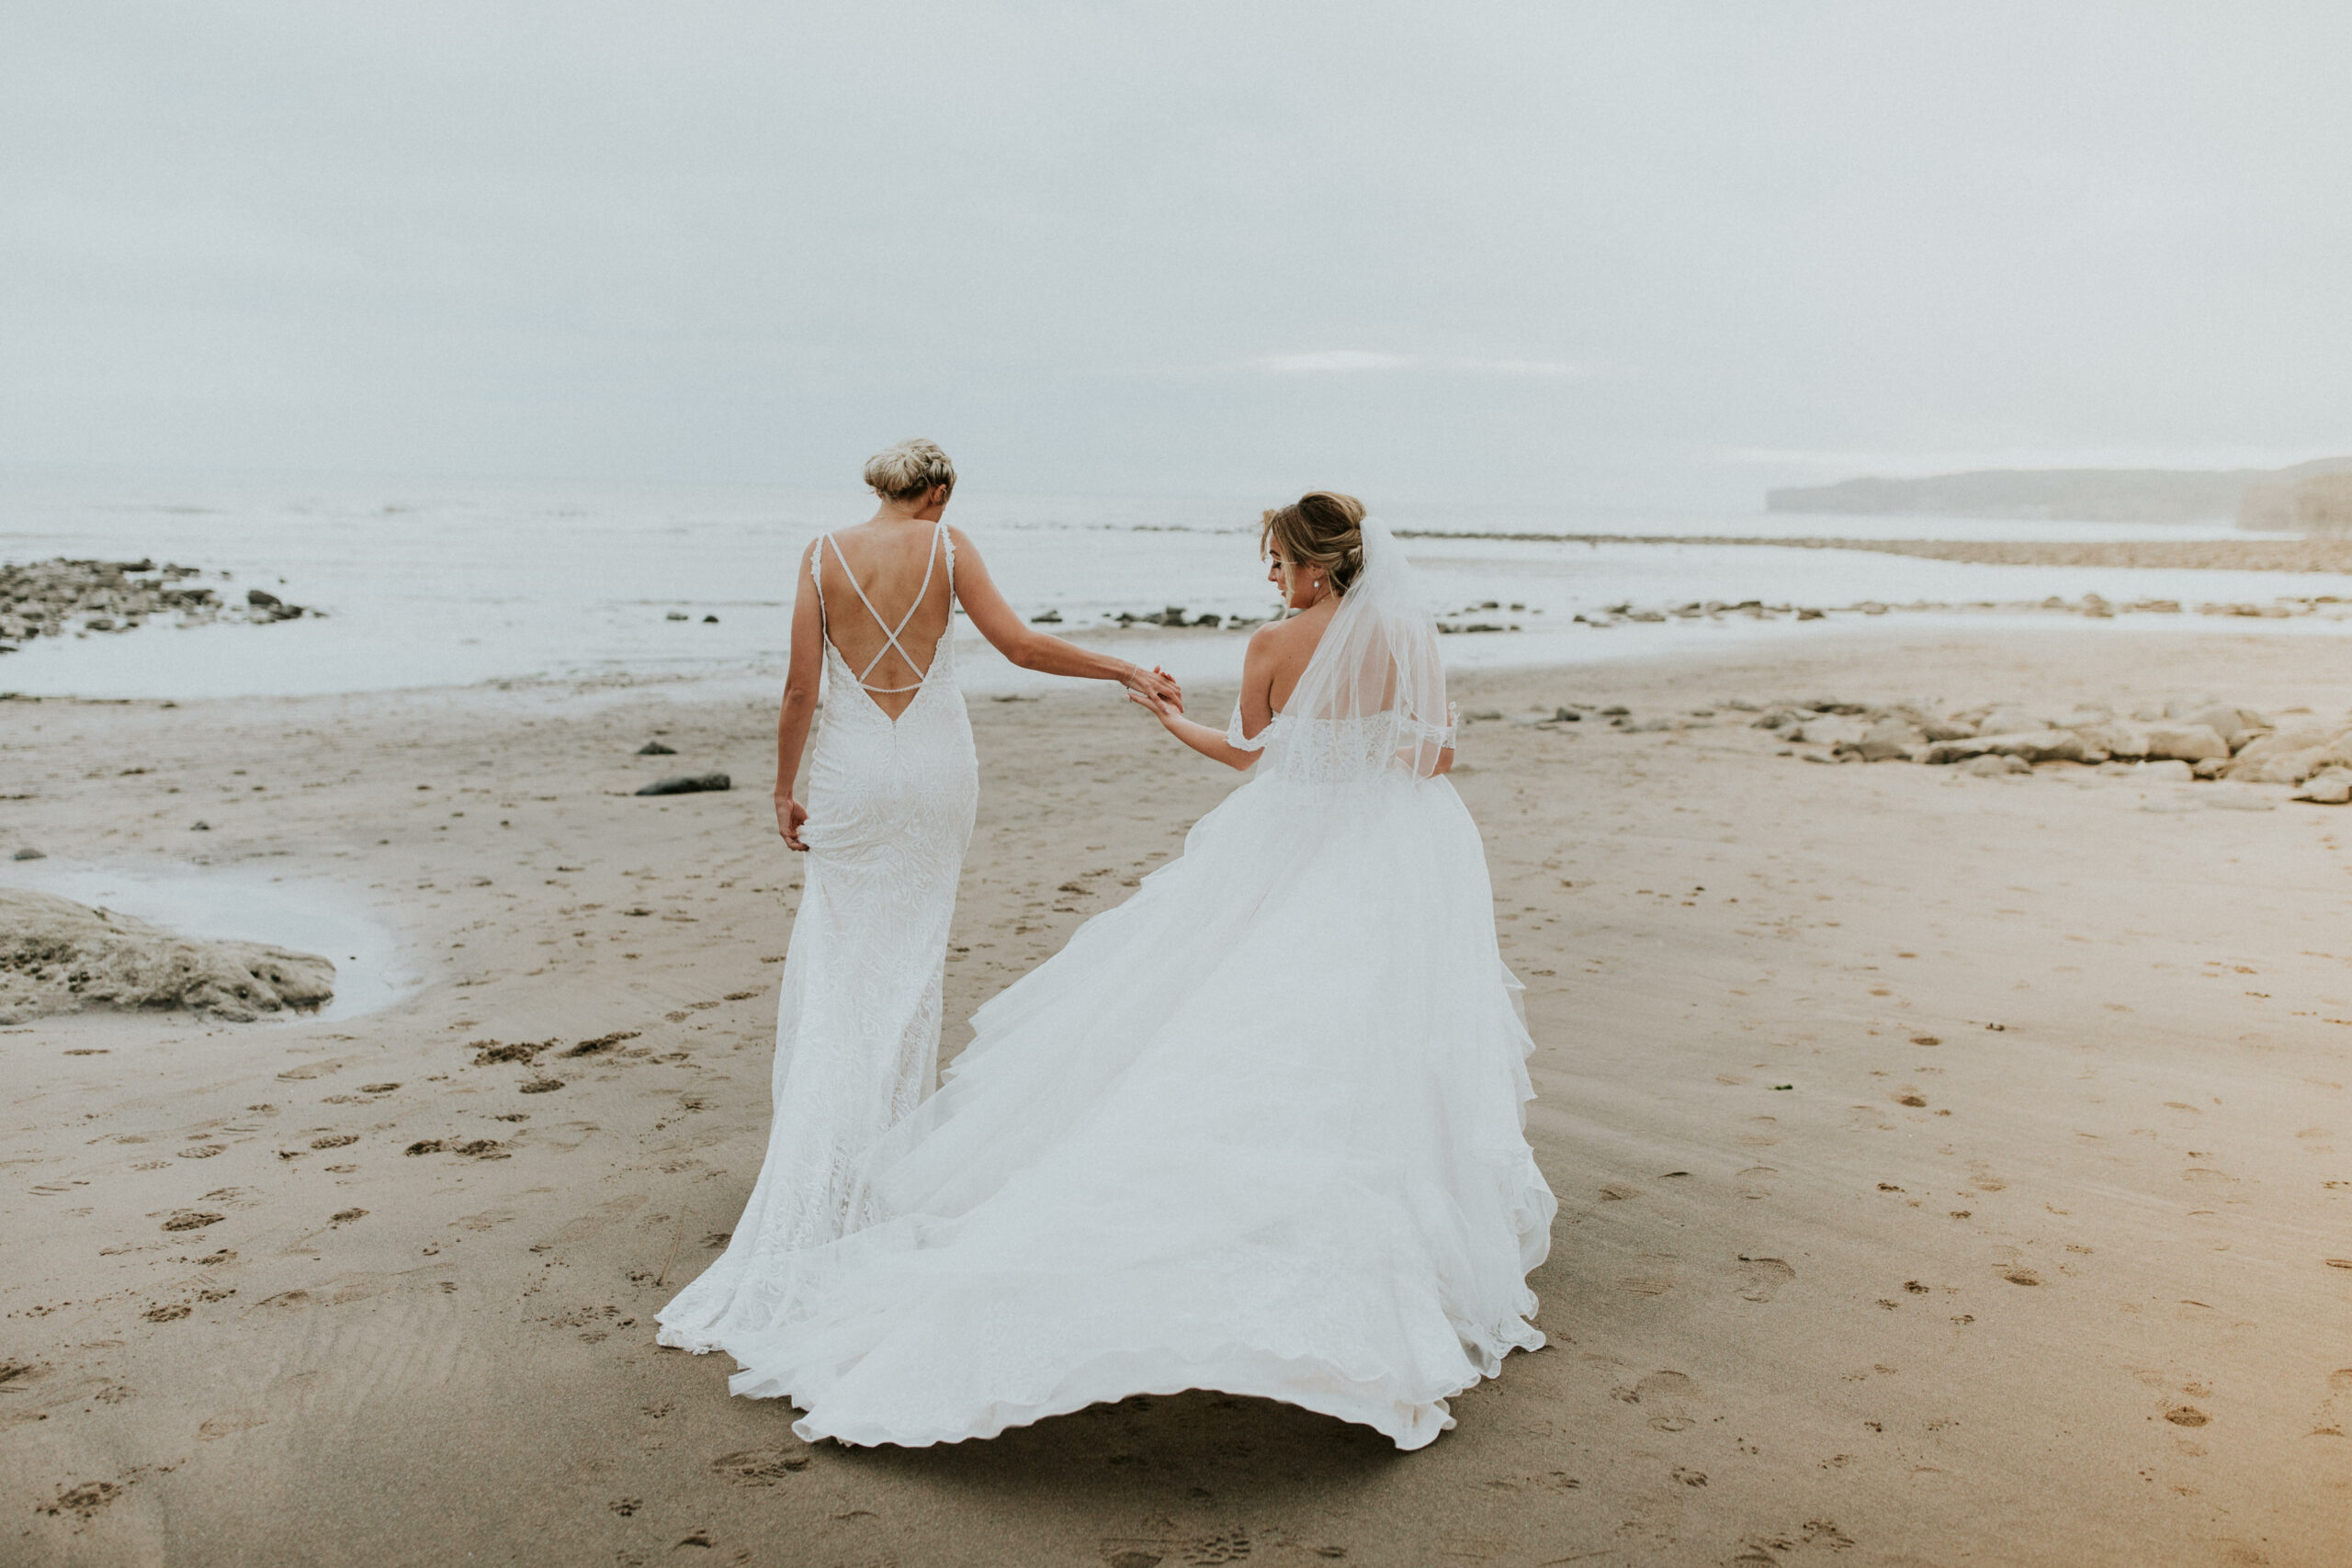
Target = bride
(892,789)
(1258,1130)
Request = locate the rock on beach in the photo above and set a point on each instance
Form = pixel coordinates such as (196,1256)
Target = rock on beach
(2188,737)
(2026,745)
(688,783)
(58,956)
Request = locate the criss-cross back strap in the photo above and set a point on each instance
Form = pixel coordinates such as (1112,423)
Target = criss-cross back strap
(889,634)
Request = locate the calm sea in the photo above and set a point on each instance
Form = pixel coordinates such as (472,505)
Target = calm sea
(444,583)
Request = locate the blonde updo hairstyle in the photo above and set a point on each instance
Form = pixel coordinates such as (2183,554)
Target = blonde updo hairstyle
(1321,528)
(910,469)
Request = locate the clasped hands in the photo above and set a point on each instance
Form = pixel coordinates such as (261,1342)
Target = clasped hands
(1154,688)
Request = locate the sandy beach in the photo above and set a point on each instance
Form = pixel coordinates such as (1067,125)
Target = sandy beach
(1952,1169)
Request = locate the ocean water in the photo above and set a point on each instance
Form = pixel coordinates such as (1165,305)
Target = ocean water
(450,583)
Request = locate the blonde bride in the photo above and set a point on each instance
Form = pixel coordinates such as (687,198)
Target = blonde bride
(892,788)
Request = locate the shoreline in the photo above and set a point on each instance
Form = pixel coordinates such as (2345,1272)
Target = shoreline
(1485,640)
(2316,555)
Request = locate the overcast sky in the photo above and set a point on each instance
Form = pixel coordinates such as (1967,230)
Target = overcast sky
(1625,252)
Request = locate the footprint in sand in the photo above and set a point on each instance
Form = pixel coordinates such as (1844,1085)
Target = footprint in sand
(1655,1280)
(759,1467)
(83,1500)
(221,1427)
(1662,1387)
(1191,1552)
(1755,1182)
(1760,1279)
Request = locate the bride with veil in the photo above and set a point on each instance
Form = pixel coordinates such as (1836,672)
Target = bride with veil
(1258,1130)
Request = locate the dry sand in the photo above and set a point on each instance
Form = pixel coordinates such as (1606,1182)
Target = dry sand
(1949,1169)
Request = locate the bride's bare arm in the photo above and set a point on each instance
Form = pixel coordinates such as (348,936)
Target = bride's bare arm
(800,682)
(1256,710)
(1031,649)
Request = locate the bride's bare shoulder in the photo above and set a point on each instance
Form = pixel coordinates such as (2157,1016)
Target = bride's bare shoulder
(1272,640)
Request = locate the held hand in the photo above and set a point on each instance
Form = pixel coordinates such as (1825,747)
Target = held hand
(1162,709)
(789,815)
(1156,684)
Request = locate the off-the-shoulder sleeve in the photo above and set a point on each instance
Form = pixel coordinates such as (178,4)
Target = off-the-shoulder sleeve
(1233,736)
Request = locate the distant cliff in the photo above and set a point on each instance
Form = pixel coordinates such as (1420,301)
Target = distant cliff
(2257,498)
(2314,498)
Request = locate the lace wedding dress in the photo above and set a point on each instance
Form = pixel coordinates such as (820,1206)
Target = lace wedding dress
(890,806)
(1257,1129)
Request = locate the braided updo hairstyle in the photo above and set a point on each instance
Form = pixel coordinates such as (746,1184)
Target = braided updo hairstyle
(1320,528)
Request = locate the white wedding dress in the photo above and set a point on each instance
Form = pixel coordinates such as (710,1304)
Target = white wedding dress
(1258,1130)
(890,806)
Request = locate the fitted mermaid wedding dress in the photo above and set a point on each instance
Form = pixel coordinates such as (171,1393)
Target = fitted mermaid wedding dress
(1258,1130)
(890,806)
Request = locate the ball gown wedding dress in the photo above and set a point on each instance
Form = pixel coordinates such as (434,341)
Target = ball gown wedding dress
(1258,1130)
(890,806)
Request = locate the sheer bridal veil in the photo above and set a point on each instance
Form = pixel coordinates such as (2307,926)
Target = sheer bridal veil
(1375,678)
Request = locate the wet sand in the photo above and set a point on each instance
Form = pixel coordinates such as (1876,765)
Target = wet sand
(2316,554)
(1951,1169)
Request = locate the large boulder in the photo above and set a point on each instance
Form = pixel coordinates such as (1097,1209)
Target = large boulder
(696,784)
(2280,767)
(2011,721)
(2184,742)
(2235,726)
(1992,765)
(1826,729)
(2231,723)
(2027,746)
(58,956)
(2122,737)
(1888,737)
(2292,754)
(2333,787)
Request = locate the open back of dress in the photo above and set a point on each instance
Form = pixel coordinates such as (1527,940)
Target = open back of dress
(891,795)
(887,670)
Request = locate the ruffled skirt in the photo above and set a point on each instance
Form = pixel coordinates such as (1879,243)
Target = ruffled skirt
(1258,1130)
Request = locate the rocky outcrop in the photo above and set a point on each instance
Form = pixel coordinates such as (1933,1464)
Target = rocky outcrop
(63,597)
(2100,495)
(58,956)
(2316,498)
(2187,738)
